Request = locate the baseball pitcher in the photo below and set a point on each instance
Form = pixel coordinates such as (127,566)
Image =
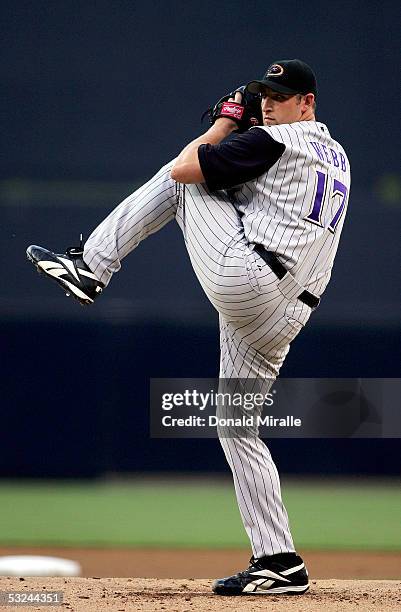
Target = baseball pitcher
(261,199)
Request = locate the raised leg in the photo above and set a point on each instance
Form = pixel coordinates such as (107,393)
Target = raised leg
(142,213)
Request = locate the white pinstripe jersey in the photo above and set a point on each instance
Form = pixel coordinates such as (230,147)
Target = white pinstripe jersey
(297,208)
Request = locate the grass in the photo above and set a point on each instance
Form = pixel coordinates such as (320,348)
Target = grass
(194,514)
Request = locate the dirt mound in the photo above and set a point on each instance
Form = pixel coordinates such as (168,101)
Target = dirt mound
(139,594)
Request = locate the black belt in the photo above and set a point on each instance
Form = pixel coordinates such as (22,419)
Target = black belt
(280,271)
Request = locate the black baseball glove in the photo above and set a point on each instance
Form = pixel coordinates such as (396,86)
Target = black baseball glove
(246,114)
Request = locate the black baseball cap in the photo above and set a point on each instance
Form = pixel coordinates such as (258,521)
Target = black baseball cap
(287,77)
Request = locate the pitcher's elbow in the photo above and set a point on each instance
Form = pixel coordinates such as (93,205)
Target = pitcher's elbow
(187,173)
(176,175)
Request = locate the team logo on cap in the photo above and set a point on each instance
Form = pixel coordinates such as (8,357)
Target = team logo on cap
(274,70)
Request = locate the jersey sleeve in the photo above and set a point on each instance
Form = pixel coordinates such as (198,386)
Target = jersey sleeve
(241,159)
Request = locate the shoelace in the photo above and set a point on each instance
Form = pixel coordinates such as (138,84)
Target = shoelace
(253,564)
(76,251)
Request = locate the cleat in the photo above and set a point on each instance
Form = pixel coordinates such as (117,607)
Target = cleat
(68,270)
(282,574)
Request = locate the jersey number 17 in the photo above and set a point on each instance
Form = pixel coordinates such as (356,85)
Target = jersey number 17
(327,189)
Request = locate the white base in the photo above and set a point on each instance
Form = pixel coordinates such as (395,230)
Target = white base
(29,565)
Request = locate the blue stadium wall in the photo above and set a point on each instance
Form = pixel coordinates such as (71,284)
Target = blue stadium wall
(97,98)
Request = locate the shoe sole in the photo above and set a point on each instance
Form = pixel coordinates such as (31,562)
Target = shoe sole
(69,288)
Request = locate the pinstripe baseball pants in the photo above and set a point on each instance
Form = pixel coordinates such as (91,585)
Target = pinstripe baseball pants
(257,321)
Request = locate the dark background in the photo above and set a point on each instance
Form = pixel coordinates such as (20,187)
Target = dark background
(96,96)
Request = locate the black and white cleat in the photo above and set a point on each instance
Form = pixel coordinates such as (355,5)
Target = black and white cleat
(281,574)
(68,270)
